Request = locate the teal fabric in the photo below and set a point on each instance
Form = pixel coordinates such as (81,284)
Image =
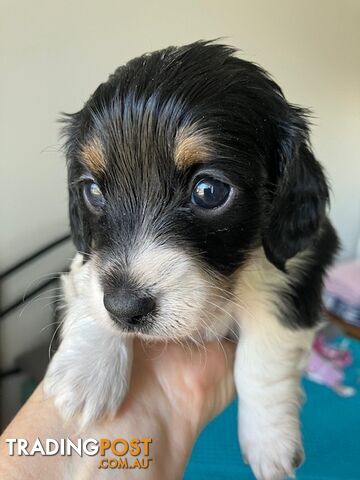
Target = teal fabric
(331,430)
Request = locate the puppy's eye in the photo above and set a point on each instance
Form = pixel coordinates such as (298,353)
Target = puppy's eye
(210,193)
(93,196)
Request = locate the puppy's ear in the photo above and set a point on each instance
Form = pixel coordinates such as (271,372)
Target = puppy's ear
(80,227)
(299,197)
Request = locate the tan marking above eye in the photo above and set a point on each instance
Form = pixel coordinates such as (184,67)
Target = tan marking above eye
(93,156)
(191,146)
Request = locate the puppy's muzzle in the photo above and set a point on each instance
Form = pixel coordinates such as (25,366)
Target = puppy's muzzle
(129,308)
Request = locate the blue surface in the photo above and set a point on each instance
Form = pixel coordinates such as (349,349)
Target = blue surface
(331,430)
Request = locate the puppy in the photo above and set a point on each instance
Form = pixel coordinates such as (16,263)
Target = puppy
(199,209)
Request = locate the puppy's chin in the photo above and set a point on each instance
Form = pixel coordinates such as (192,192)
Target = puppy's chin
(145,330)
(217,330)
(149,335)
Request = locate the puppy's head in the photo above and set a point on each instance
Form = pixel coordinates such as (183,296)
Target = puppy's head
(181,165)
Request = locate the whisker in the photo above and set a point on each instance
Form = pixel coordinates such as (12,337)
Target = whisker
(55,275)
(53,337)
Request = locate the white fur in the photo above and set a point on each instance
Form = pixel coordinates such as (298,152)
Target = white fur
(189,300)
(89,374)
(269,360)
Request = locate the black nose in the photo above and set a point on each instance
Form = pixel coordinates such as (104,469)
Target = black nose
(127,306)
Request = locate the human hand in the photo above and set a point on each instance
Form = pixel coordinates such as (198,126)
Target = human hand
(175,391)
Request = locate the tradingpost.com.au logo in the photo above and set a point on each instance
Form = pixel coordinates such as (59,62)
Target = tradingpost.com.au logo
(118,453)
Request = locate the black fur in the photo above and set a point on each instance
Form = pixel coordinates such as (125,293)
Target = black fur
(260,146)
(301,302)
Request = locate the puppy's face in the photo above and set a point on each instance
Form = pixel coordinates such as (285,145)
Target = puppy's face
(180,166)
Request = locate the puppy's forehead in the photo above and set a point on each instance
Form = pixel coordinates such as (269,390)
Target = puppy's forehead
(189,145)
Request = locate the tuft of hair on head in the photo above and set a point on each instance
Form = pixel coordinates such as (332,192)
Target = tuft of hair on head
(191,146)
(92,154)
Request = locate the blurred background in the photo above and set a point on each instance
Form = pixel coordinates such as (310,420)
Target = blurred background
(54,54)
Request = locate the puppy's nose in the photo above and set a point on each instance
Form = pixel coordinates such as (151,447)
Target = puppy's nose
(127,306)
